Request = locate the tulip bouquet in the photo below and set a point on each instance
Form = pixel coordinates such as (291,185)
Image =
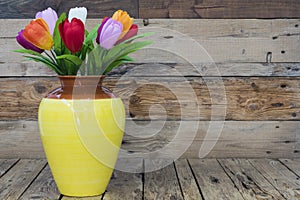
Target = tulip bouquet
(63,44)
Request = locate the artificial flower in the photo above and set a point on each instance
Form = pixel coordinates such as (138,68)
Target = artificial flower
(72,34)
(27,45)
(79,13)
(38,34)
(50,17)
(109,33)
(132,32)
(125,19)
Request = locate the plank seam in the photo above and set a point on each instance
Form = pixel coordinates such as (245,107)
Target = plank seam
(176,173)
(198,186)
(288,168)
(230,178)
(33,180)
(266,178)
(10,167)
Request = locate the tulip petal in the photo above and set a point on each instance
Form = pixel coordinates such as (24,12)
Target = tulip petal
(50,16)
(110,33)
(100,29)
(27,45)
(72,34)
(37,33)
(79,13)
(125,19)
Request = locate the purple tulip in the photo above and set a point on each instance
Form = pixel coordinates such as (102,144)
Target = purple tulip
(27,45)
(109,33)
(50,17)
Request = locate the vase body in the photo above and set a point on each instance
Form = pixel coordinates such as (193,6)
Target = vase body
(81,126)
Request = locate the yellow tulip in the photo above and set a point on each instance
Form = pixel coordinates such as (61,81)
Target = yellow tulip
(125,19)
(38,34)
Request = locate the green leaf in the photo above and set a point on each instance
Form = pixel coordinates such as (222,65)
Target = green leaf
(47,62)
(137,37)
(121,50)
(71,58)
(59,47)
(117,63)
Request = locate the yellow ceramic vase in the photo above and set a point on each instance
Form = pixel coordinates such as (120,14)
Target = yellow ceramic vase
(81,126)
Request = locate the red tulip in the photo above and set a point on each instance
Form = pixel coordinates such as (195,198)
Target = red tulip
(72,34)
(132,32)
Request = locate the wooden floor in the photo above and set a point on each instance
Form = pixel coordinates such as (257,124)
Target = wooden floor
(184,179)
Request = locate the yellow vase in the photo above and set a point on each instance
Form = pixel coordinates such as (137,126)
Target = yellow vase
(81,126)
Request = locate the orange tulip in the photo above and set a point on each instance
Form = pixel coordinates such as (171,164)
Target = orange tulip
(38,34)
(125,19)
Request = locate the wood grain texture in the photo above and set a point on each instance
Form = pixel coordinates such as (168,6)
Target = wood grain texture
(248,180)
(25,69)
(213,181)
(15,181)
(20,139)
(162,184)
(6,164)
(217,40)
(285,181)
(43,187)
(292,164)
(242,98)
(96,9)
(219,9)
(187,181)
(120,185)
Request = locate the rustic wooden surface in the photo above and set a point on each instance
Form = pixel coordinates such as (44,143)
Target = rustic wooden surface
(160,8)
(219,9)
(250,182)
(184,179)
(256,60)
(272,139)
(96,9)
(230,40)
(243,98)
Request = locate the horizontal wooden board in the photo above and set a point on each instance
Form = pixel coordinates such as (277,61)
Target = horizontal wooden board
(21,69)
(252,139)
(188,98)
(196,41)
(219,9)
(96,9)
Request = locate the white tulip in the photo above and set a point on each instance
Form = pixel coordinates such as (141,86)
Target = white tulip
(79,13)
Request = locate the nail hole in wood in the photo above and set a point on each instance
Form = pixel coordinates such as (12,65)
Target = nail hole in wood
(283,85)
(276,126)
(268,152)
(146,22)
(275,37)
(282,52)
(294,115)
(296,25)
(296,151)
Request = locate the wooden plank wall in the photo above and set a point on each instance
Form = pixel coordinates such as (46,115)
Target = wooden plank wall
(258,61)
(15,9)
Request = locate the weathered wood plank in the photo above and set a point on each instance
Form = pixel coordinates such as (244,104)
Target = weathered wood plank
(293,165)
(124,186)
(213,181)
(162,184)
(286,182)
(187,181)
(219,9)
(96,9)
(248,180)
(43,187)
(243,98)
(6,164)
(15,181)
(248,41)
(273,139)
(21,69)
